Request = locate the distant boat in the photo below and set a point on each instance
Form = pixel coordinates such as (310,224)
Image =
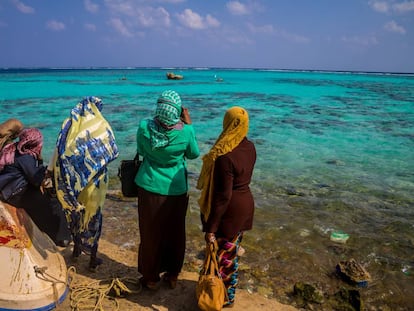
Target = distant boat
(33,272)
(218,79)
(173,76)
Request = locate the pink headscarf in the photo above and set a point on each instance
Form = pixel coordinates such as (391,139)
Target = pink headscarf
(30,142)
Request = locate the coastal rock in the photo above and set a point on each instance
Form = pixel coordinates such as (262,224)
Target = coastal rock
(335,162)
(291,190)
(353,272)
(348,299)
(306,293)
(265,291)
(173,76)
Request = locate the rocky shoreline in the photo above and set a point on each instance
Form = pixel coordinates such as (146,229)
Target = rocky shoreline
(119,247)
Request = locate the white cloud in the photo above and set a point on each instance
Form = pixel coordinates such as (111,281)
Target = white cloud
(237,8)
(360,40)
(149,17)
(404,7)
(293,37)
(392,26)
(136,15)
(171,1)
(90,6)
(240,39)
(23,8)
(382,6)
(90,27)
(55,25)
(194,20)
(119,26)
(271,30)
(265,29)
(211,21)
(124,7)
(191,19)
(379,6)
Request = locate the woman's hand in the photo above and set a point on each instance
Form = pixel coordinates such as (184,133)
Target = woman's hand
(210,237)
(185,116)
(47,182)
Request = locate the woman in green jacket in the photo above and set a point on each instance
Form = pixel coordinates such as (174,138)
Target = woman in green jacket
(165,142)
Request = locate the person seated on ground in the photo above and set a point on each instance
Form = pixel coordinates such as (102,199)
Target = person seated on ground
(21,176)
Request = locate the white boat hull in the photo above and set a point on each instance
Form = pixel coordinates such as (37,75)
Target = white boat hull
(33,274)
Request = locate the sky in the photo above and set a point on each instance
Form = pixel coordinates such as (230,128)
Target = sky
(349,35)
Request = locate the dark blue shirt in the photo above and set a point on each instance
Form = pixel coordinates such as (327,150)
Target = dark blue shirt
(16,177)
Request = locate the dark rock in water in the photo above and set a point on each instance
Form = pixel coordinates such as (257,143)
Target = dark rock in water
(260,141)
(335,162)
(338,249)
(306,293)
(348,299)
(353,272)
(322,185)
(291,190)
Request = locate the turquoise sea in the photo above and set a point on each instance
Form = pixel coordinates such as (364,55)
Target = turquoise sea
(335,153)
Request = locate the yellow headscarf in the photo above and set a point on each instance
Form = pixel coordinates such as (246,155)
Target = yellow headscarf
(235,128)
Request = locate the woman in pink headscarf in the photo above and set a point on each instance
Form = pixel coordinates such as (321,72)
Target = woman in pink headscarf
(21,175)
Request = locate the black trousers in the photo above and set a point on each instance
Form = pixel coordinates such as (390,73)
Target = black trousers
(162,234)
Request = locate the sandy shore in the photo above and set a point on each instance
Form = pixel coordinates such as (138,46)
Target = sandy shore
(121,264)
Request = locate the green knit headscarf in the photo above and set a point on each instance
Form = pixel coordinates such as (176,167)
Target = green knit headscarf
(169,108)
(167,117)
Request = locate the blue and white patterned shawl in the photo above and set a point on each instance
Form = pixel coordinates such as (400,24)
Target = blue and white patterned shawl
(84,148)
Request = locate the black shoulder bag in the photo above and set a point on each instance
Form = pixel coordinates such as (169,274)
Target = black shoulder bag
(127,171)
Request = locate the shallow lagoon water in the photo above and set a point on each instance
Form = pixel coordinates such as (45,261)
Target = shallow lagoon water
(335,152)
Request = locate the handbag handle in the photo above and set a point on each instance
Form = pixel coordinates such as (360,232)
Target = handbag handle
(211,266)
(136,158)
(214,268)
(210,263)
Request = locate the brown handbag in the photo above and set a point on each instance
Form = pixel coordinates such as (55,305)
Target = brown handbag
(210,291)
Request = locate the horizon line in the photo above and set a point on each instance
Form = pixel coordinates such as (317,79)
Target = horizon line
(199,68)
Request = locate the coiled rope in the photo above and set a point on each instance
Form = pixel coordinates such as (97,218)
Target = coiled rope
(91,295)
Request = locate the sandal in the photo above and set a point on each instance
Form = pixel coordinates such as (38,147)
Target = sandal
(94,263)
(149,284)
(170,279)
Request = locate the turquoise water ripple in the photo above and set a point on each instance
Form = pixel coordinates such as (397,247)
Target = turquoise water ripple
(335,152)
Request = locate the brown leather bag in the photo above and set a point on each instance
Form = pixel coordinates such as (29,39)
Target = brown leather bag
(210,291)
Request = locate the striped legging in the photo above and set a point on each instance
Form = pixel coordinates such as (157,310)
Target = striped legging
(228,262)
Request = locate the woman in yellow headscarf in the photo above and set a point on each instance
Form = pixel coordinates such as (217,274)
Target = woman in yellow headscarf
(226,202)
